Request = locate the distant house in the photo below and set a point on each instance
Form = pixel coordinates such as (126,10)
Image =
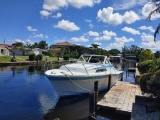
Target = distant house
(25,51)
(5,50)
(37,51)
(57,47)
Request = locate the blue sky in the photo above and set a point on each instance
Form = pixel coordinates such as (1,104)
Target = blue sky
(109,23)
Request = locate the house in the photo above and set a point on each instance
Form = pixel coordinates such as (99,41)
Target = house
(25,51)
(37,51)
(57,47)
(5,50)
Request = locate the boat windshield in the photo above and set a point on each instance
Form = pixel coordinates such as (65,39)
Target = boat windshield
(91,58)
(96,59)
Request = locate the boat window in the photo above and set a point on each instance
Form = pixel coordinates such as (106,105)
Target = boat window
(101,70)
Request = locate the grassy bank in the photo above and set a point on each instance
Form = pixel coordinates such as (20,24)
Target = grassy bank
(25,58)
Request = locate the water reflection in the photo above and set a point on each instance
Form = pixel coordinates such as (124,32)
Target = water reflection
(13,70)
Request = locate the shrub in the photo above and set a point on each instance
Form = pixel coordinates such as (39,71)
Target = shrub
(66,56)
(144,82)
(150,83)
(32,57)
(154,84)
(145,66)
(39,57)
(50,53)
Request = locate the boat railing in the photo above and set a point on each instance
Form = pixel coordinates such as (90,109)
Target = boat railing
(85,68)
(68,69)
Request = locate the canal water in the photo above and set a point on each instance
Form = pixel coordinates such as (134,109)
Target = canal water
(26,94)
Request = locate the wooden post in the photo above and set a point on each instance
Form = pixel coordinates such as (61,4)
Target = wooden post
(96,94)
(122,77)
(109,82)
(92,106)
(126,73)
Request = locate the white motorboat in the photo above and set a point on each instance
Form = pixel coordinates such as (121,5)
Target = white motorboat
(79,77)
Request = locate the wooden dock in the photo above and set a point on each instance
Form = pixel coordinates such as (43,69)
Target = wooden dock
(120,97)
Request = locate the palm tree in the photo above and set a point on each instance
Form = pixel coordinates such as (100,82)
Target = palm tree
(156,10)
(95,46)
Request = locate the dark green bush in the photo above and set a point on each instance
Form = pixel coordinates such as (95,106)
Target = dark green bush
(145,66)
(66,56)
(150,83)
(145,82)
(32,57)
(39,57)
(154,84)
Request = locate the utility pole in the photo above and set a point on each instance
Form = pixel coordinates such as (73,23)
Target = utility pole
(4,41)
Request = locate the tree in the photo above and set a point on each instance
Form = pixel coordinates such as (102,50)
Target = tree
(157,11)
(95,46)
(35,45)
(146,55)
(18,44)
(42,44)
(157,54)
(114,52)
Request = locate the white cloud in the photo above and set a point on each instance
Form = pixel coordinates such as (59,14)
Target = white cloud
(151,45)
(54,5)
(102,38)
(19,40)
(87,20)
(147,9)
(40,36)
(67,25)
(124,39)
(83,3)
(80,39)
(91,25)
(115,45)
(58,15)
(91,33)
(23,41)
(109,33)
(29,41)
(131,30)
(147,37)
(124,4)
(45,13)
(106,15)
(30,28)
(106,36)
(146,28)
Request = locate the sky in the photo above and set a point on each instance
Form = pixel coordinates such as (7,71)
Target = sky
(111,24)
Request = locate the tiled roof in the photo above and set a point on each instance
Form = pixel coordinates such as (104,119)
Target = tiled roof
(64,44)
(5,45)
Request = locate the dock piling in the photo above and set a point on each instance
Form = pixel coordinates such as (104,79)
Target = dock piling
(93,99)
(96,94)
(109,82)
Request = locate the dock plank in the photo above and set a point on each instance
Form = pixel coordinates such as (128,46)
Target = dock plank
(120,97)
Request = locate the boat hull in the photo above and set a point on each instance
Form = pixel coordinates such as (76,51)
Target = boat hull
(76,85)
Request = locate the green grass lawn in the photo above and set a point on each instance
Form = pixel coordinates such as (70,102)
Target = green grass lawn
(25,58)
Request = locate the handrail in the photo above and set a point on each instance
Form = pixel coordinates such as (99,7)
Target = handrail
(69,70)
(85,68)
